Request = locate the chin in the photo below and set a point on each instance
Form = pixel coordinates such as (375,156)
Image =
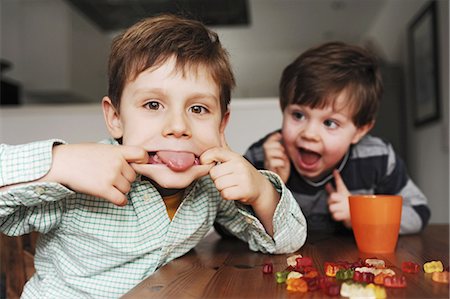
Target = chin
(174,180)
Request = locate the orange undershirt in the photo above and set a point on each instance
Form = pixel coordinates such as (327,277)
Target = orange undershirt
(172,203)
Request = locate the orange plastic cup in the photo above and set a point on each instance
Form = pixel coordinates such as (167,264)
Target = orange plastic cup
(376,222)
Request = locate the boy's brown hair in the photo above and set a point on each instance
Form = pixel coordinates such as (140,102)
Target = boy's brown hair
(320,74)
(152,41)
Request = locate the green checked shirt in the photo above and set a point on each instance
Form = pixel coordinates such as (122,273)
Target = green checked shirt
(90,248)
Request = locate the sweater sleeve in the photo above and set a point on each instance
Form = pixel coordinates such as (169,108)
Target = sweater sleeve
(415,210)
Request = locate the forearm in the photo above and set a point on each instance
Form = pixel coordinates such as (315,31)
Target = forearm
(265,206)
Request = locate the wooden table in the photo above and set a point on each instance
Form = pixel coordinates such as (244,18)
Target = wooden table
(226,268)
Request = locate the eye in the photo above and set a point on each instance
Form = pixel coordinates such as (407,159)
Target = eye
(197,109)
(298,115)
(331,124)
(153,105)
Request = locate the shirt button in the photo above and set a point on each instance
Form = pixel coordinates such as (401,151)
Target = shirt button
(249,220)
(39,190)
(146,196)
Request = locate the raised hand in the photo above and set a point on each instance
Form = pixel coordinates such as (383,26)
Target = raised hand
(233,175)
(237,179)
(338,200)
(276,159)
(101,170)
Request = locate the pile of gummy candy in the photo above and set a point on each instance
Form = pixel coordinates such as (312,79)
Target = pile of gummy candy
(366,279)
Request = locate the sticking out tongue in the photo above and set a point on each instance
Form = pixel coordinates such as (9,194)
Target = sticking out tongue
(309,157)
(177,161)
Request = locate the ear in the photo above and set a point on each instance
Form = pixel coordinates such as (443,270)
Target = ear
(361,132)
(112,118)
(224,122)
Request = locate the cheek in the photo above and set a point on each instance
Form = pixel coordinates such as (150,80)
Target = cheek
(335,148)
(208,135)
(289,134)
(139,134)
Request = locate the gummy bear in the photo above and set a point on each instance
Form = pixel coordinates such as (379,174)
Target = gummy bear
(433,266)
(267,268)
(441,277)
(311,273)
(379,291)
(312,282)
(303,261)
(294,274)
(332,289)
(281,276)
(356,264)
(325,281)
(379,278)
(410,267)
(291,261)
(356,290)
(296,285)
(366,277)
(386,271)
(332,268)
(344,274)
(377,263)
(395,281)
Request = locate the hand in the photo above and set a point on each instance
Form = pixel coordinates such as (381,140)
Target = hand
(100,170)
(237,179)
(233,175)
(338,200)
(276,159)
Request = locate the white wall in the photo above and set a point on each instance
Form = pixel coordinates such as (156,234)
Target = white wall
(50,45)
(280,30)
(427,147)
(250,120)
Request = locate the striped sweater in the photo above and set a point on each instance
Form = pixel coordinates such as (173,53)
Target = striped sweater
(369,167)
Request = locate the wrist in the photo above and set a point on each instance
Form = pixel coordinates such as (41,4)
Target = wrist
(53,174)
(268,195)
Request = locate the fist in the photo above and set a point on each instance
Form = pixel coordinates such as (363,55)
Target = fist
(275,157)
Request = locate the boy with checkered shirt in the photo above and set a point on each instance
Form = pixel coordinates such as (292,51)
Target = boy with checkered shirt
(112,213)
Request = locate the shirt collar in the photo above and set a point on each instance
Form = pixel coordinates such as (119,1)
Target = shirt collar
(330,176)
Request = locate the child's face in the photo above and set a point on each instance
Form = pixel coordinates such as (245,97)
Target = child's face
(174,118)
(317,139)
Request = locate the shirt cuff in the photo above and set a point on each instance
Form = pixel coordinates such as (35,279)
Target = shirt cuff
(26,162)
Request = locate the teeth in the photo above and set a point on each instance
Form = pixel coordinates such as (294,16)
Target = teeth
(157,159)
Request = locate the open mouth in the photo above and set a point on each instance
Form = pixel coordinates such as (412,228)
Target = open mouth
(309,157)
(176,160)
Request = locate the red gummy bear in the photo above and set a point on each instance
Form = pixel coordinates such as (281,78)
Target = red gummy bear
(365,277)
(267,268)
(410,267)
(395,281)
(304,261)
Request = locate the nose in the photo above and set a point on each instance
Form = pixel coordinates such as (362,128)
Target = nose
(177,125)
(311,131)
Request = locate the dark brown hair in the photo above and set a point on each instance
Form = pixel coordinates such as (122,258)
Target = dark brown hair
(320,74)
(152,41)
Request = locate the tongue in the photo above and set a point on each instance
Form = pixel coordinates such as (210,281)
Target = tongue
(310,158)
(177,161)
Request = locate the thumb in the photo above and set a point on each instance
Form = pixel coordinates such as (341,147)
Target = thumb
(340,185)
(134,154)
(223,142)
(329,188)
(216,155)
